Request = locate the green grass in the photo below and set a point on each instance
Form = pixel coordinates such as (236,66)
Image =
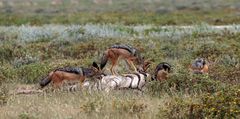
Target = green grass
(129,18)
(128,12)
(29,49)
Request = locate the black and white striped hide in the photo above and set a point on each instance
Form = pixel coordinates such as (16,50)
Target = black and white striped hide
(126,81)
(86,86)
(114,82)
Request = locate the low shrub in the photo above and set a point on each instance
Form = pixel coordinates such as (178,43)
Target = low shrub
(175,108)
(132,106)
(222,104)
(184,82)
(32,72)
(94,105)
(25,116)
(3,93)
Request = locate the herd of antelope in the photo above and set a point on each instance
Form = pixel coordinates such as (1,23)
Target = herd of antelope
(134,80)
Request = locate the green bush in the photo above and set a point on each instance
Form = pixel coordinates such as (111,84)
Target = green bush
(25,116)
(209,51)
(184,82)
(6,52)
(7,73)
(219,73)
(3,93)
(132,106)
(175,108)
(32,72)
(93,105)
(222,104)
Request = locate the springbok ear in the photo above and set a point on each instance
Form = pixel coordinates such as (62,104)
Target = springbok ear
(95,65)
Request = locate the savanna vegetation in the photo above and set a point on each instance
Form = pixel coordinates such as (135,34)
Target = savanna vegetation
(128,12)
(28,52)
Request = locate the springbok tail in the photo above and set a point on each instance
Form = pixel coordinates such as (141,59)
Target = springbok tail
(103,61)
(46,80)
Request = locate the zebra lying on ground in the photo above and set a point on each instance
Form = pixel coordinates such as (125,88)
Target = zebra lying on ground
(126,81)
(113,82)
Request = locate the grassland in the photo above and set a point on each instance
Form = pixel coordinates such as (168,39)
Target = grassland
(38,37)
(29,52)
(128,12)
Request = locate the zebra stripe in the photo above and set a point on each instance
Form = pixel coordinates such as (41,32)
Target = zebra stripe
(145,75)
(131,77)
(116,83)
(113,82)
(139,78)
